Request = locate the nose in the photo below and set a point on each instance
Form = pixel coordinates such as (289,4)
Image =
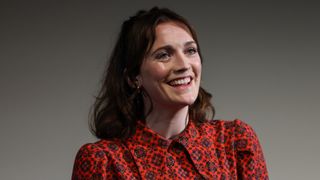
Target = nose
(181,63)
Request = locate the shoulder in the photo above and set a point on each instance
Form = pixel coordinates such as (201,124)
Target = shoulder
(100,147)
(236,127)
(90,150)
(92,159)
(239,132)
(89,154)
(237,140)
(89,162)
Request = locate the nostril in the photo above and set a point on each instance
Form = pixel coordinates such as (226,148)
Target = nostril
(182,70)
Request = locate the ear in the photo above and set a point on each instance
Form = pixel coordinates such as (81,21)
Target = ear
(139,80)
(135,82)
(130,82)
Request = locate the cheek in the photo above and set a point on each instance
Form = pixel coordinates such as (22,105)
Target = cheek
(156,73)
(197,67)
(153,74)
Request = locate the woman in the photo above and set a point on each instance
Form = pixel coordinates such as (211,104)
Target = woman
(151,113)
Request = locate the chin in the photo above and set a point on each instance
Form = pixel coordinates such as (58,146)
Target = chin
(187,102)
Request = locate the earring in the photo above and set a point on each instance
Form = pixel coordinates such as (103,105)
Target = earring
(138,89)
(137,86)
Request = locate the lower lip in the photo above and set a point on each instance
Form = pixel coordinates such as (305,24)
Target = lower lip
(182,87)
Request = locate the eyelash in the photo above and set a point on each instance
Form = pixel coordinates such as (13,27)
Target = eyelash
(191,50)
(165,55)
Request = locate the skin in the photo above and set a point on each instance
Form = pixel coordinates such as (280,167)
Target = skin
(173,56)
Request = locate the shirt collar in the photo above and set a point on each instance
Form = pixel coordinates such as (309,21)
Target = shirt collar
(149,138)
(194,139)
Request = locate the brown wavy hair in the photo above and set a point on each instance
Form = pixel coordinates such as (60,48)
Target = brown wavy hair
(119,105)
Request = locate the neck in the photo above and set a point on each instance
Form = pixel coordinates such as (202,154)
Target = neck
(168,123)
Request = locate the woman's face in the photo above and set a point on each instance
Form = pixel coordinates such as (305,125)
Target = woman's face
(171,71)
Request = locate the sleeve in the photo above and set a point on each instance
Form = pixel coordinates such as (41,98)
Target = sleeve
(90,163)
(250,159)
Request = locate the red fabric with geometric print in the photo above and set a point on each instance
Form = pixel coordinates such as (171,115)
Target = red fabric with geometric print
(216,149)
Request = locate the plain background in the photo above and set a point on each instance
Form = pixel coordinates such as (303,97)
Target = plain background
(261,63)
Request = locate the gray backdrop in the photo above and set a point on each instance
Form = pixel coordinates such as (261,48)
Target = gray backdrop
(260,64)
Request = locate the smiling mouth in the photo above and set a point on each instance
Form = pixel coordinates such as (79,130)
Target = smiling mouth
(180,81)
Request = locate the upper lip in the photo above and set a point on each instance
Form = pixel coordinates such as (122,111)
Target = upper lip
(182,77)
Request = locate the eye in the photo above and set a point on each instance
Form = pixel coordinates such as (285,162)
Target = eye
(162,55)
(191,50)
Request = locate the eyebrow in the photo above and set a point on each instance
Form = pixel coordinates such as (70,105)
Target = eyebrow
(170,47)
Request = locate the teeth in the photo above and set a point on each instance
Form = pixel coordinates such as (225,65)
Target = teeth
(180,81)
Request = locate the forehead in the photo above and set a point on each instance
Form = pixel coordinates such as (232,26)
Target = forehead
(171,33)
(173,24)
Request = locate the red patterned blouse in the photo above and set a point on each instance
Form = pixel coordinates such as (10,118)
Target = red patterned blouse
(214,150)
